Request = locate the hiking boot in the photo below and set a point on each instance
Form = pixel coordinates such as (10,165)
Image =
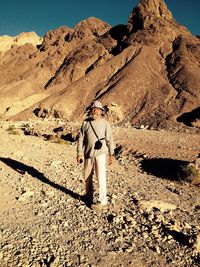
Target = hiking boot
(99,207)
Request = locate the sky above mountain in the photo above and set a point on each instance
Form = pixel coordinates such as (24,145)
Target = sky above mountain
(44,15)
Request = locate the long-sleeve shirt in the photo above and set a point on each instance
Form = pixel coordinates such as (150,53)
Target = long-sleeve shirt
(87,138)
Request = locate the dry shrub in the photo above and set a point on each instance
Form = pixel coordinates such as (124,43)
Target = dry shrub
(191,173)
(196,123)
(56,139)
(12,130)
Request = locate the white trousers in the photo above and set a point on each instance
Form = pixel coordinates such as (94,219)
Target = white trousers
(96,165)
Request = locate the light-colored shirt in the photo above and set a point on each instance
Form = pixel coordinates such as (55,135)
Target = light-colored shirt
(87,138)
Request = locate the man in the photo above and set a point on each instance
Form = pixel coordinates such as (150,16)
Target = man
(95,129)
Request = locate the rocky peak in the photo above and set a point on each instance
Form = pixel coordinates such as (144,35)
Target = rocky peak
(88,29)
(146,13)
(6,42)
(151,23)
(157,8)
(28,37)
(54,37)
(96,26)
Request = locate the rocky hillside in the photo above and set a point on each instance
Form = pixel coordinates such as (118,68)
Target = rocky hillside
(146,72)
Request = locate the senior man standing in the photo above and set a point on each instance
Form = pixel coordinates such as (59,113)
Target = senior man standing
(95,143)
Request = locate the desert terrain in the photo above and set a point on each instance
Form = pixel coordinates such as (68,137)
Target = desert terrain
(147,75)
(153,217)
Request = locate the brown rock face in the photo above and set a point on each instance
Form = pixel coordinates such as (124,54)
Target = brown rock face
(147,13)
(151,23)
(146,72)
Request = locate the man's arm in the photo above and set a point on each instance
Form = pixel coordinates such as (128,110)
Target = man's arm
(80,145)
(109,143)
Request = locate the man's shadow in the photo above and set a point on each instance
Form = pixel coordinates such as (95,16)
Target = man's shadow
(22,168)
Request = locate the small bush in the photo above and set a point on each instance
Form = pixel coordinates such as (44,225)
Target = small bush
(191,173)
(56,139)
(12,130)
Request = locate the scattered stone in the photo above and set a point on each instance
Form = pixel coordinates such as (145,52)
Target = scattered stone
(197,244)
(25,195)
(160,205)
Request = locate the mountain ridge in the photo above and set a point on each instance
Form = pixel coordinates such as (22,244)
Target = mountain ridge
(72,67)
(6,41)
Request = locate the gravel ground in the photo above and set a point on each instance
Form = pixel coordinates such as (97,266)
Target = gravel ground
(153,218)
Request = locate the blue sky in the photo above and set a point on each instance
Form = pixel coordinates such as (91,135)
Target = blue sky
(43,15)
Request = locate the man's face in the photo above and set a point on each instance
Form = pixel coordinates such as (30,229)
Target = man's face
(96,112)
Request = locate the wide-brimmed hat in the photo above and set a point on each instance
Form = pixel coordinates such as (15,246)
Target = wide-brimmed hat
(97,104)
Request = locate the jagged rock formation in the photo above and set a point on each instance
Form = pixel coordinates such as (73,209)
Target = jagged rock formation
(146,72)
(6,42)
(151,23)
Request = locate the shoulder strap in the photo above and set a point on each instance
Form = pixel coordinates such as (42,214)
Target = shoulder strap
(94,130)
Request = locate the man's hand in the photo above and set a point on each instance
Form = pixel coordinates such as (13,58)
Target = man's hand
(110,159)
(79,159)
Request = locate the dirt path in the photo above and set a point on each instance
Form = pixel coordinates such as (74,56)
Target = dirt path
(45,223)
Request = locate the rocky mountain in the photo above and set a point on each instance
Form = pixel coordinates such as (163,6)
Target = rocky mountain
(6,42)
(146,72)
